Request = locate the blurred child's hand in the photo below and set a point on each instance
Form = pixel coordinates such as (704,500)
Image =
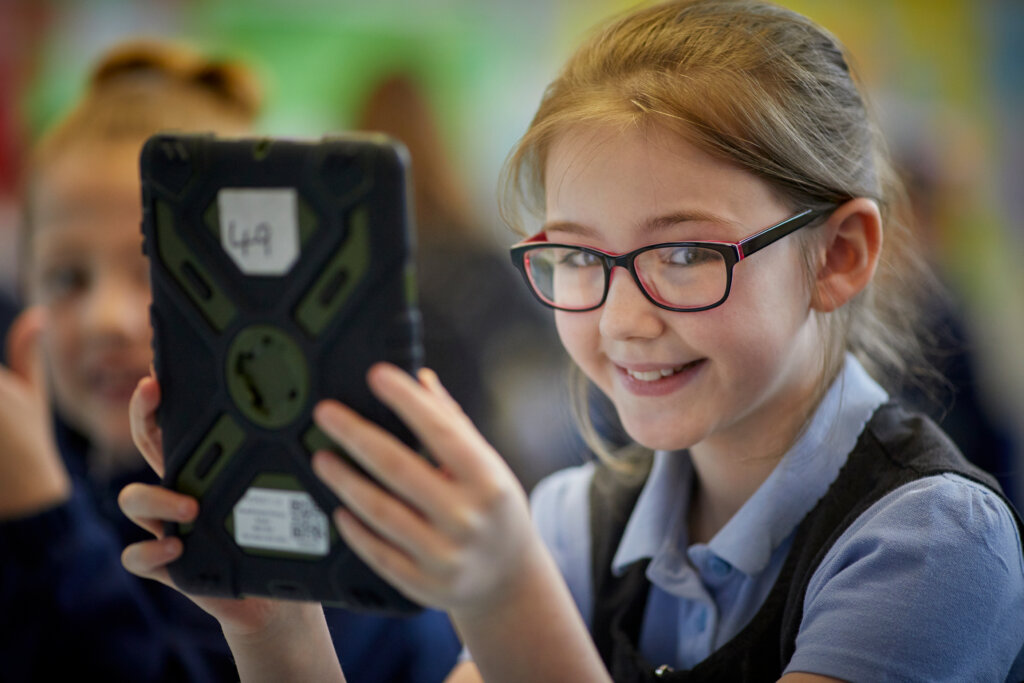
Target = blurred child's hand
(150,506)
(32,474)
(457,535)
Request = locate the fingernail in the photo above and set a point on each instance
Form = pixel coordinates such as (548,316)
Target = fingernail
(171,546)
(321,461)
(382,369)
(342,517)
(186,510)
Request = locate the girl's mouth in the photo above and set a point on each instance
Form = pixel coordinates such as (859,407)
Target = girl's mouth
(115,386)
(654,375)
(659,381)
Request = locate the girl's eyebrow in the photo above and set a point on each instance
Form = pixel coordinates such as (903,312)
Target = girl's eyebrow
(570,227)
(653,224)
(691,216)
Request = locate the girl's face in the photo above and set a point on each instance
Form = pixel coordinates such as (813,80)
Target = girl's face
(86,267)
(739,377)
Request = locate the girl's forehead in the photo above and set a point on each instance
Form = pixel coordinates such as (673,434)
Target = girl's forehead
(610,179)
(87,180)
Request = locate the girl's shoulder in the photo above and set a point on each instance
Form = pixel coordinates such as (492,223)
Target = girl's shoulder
(966,518)
(933,570)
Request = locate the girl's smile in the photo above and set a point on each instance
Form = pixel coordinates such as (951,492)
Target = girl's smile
(652,379)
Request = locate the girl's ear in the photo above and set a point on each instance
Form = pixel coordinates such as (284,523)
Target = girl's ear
(849,253)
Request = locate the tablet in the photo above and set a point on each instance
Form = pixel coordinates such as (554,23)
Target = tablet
(281,270)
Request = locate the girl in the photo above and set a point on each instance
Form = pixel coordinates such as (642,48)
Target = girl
(723,248)
(61,533)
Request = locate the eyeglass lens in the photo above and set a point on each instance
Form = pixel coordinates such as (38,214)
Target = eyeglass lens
(676,276)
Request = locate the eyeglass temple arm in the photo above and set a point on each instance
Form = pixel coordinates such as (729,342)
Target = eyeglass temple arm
(778,231)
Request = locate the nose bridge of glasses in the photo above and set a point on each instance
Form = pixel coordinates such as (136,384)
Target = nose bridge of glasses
(627,263)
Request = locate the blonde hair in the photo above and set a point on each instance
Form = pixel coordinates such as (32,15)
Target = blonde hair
(772,92)
(141,87)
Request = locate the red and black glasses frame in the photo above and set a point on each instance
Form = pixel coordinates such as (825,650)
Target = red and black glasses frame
(732,253)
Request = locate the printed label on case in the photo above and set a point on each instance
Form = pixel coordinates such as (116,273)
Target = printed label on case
(288,521)
(259,228)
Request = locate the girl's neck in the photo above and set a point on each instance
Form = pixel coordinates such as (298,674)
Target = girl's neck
(720,490)
(106,464)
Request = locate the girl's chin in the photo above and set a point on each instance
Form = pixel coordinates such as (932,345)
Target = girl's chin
(113,436)
(657,438)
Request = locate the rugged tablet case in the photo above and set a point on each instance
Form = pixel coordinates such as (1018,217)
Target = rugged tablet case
(281,270)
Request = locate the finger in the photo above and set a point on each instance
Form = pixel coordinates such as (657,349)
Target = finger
(146,432)
(393,565)
(149,506)
(403,471)
(429,379)
(23,353)
(149,559)
(389,518)
(451,438)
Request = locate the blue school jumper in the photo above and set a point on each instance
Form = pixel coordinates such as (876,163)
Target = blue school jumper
(70,611)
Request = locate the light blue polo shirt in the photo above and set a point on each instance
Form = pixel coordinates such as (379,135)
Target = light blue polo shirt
(928,584)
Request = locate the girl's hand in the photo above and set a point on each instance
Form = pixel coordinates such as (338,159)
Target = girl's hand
(457,535)
(271,640)
(150,506)
(32,474)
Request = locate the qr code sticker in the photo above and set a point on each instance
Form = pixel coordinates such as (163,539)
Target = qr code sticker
(307,521)
(286,521)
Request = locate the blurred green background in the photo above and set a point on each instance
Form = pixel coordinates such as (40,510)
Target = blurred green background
(946,76)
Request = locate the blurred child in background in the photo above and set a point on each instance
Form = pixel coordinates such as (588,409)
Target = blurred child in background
(69,607)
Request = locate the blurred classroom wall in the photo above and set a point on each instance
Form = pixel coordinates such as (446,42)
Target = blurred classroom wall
(947,77)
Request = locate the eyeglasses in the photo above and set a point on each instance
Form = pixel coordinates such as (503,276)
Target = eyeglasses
(676,276)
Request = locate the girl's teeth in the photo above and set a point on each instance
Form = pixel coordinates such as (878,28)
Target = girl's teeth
(652,375)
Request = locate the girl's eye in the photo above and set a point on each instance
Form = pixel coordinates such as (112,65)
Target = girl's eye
(63,281)
(689,256)
(579,259)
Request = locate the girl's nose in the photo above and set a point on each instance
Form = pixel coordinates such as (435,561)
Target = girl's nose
(627,313)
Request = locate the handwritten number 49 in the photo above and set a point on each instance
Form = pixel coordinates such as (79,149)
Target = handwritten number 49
(261,235)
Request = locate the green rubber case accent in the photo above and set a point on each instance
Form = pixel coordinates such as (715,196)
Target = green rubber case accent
(341,276)
(315,440)
(190,274)
(209,458)
(267,376)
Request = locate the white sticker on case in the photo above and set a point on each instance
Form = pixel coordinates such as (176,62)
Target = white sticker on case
(288,521)
(259,228)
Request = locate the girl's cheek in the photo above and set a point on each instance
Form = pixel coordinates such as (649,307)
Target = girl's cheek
(577,335)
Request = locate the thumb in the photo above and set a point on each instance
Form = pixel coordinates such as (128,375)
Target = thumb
(24,356)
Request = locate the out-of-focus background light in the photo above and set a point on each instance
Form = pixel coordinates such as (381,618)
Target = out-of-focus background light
(947,77)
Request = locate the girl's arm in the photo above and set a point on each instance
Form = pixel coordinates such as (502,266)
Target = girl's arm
(534,632)
(271,640)
(455,535)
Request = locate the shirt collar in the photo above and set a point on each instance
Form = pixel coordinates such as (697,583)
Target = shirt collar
(657,527)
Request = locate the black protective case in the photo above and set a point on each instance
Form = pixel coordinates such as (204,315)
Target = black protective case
(243,355)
